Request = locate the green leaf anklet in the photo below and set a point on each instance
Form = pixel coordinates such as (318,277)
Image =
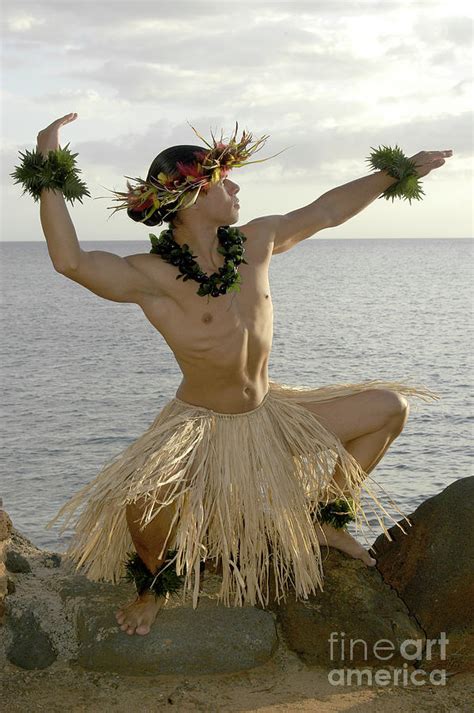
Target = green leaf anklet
(58,172)
(337,513)
(159,583)
(397,165)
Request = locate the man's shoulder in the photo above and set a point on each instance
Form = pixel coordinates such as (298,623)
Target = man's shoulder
(261,229)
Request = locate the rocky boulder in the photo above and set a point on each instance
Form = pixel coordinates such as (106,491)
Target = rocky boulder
(5,584)
(432,569)
(209,639)
(54,615)
(356,609)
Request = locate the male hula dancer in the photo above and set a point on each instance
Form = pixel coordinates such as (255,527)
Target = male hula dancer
(235,468)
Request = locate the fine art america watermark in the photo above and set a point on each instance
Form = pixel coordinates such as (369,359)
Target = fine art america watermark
(411,650)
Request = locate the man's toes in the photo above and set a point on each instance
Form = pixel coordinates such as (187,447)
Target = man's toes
(143,629)
(131,630)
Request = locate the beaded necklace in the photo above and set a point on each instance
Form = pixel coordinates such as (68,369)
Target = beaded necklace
(227,279)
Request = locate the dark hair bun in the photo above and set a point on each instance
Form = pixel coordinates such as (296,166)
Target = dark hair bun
(138,216)
(165,162)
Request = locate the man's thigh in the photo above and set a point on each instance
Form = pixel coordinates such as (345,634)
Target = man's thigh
(350,417)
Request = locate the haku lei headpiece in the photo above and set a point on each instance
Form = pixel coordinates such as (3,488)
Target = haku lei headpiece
(179,192)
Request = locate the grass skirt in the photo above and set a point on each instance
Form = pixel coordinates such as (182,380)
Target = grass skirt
(245,488)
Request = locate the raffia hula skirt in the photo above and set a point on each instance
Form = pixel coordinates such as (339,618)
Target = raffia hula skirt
(245,489)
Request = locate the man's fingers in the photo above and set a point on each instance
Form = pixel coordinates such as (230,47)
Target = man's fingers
(438,154)
(64,119)
(56,125)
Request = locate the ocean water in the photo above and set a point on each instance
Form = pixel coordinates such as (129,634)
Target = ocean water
(81,377)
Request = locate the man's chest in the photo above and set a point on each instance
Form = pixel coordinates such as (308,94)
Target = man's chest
(183,315)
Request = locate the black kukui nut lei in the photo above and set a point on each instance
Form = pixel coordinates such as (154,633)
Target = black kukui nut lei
(228,279)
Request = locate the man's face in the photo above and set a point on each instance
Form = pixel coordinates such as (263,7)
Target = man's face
(220,203)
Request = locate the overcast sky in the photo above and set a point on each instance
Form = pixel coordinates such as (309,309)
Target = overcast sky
(326,79)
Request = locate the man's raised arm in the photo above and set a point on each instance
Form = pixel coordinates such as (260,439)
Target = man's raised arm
(59,231)
(120,279)
(110,276)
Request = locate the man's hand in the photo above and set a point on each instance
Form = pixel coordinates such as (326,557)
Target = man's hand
(48,139)
(426,161)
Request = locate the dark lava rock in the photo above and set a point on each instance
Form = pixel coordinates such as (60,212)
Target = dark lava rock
(31,647)
(15,562)
(356,604)
(432,568)
(52,560)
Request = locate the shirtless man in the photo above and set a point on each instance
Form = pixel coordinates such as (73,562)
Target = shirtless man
(223,345)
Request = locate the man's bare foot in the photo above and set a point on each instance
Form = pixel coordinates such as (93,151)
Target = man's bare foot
(138,616)
(341,539)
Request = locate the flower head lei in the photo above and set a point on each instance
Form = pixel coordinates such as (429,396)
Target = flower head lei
(179,191)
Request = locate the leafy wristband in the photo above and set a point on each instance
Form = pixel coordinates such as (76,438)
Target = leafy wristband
(397,165)
(58,172)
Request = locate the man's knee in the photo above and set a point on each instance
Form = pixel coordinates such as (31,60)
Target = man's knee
(397,409)
(159,532)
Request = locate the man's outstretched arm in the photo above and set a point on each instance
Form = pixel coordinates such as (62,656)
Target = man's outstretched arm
(341,203)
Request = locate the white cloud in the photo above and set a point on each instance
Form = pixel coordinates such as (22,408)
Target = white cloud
(329,79)
(23,23)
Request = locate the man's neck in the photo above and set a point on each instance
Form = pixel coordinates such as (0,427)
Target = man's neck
(202,241)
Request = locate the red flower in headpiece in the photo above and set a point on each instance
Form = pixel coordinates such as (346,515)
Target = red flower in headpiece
(142,206)
(136,199)
(200,155)
(190,169)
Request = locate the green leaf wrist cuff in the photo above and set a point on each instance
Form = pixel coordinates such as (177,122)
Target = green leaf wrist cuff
(397,165)
(58,172)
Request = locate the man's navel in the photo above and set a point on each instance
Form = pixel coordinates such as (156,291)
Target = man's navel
(206,317)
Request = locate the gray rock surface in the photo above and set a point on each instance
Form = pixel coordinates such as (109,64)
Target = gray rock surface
(356,604)
(74,621)
(209,639)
